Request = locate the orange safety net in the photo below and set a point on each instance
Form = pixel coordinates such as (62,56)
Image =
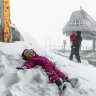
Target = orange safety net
(6,20)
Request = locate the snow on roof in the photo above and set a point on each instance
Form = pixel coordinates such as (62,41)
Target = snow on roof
(81,21)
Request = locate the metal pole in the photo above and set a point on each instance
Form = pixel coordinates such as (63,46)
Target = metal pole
(2,20)
(94,44)
(50,43)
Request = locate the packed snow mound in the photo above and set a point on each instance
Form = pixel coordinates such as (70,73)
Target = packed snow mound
(34,81)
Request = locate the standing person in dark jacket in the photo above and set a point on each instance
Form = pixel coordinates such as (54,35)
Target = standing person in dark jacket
(76,46)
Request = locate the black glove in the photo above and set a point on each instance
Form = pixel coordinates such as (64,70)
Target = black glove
(19,68)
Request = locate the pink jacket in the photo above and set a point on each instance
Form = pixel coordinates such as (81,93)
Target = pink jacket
(47,65)
(38,60)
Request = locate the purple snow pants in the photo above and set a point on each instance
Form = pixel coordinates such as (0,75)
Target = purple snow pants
(54,73)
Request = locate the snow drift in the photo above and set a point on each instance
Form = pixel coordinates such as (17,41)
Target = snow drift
(34,82)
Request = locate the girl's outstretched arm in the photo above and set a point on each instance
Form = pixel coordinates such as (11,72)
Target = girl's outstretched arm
(28,65)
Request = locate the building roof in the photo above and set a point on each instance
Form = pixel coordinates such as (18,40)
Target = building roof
(81,21)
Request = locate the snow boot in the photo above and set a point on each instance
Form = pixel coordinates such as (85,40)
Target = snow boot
(58,82)
(61,85)
(72,81)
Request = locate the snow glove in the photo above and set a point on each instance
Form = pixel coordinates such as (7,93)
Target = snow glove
(21,68)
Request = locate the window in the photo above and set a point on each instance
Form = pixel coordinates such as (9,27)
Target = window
(78,23)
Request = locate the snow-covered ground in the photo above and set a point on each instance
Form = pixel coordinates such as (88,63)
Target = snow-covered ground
(34,82)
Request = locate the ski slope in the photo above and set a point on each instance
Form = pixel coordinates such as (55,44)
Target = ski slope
(34,82)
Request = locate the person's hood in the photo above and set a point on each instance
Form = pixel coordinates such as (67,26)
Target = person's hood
(73,31)
(24,57)
(78,33)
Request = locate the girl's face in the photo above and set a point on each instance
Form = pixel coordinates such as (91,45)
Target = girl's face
(30,55)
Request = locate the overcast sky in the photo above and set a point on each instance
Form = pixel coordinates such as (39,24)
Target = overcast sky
(44,19)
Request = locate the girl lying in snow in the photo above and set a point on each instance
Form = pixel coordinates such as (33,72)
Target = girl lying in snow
(54,74)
